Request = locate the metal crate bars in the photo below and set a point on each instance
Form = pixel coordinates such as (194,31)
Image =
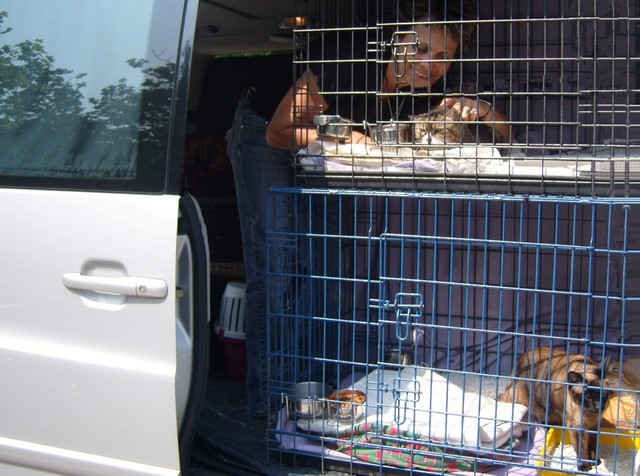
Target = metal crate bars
(565,74)
(426,303)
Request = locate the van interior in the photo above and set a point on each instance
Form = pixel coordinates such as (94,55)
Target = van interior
(238,45)
(242,44)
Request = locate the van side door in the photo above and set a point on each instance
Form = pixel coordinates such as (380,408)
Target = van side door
(89,211)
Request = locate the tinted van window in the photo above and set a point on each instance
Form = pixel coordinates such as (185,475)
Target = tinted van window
(85,92)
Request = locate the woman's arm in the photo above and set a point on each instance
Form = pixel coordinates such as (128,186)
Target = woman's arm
(293,118)
(471,109)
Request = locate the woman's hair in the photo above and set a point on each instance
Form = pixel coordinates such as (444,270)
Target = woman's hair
(444,10)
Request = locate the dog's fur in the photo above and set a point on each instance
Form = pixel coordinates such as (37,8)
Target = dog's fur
(557,394)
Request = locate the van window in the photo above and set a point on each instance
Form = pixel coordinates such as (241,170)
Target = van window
(85,92)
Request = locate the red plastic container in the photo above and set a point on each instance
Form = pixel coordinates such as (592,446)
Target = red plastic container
(235,356)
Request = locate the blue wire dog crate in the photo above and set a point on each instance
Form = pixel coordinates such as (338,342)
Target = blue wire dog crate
(411,311)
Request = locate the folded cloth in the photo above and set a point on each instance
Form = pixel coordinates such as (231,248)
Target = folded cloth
(521,454)
(391,447)
(431,406)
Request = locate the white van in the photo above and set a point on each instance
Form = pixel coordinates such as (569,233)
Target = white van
(119,227)
(105,301)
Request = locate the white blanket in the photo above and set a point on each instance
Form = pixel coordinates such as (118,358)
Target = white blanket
(435,407)
(467,160)
(357,158)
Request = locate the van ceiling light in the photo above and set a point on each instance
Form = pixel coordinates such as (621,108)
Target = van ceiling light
(294,22)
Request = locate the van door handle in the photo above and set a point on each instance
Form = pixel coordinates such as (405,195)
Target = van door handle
(120,285)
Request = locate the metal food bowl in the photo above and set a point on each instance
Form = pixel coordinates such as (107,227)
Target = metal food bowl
(305,400)
(347,405)
(391,133)
(332,127)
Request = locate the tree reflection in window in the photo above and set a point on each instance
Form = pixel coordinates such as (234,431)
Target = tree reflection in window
(48,128)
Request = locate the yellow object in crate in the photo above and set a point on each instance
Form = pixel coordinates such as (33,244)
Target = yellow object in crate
(621,411)
(624,439)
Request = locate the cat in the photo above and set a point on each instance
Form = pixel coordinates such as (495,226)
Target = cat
(443,127)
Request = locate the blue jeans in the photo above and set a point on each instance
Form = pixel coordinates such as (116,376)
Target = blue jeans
(256,167)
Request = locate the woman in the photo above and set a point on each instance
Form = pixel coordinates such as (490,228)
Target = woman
(260,155)
(419,63)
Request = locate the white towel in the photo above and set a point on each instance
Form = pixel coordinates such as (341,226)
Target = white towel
(434,406)
(461,160)
(467,160)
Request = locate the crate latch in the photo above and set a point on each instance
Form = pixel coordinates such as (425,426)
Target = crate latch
(408,308)
(406,393)
(403,45)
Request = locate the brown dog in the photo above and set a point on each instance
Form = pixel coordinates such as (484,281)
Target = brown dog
(556,390)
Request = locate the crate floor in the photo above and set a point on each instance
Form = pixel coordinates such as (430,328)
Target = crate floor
(232,442)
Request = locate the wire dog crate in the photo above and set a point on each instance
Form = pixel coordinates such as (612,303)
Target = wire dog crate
(422,305)
(471,311)
(564,75)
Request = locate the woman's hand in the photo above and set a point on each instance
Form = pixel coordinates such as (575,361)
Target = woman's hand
(360,138)
(468,109)
(471,109)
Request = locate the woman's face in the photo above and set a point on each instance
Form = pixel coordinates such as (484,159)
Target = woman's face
(436,50)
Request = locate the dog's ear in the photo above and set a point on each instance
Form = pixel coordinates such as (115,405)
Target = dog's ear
(574,377)
(609,365)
